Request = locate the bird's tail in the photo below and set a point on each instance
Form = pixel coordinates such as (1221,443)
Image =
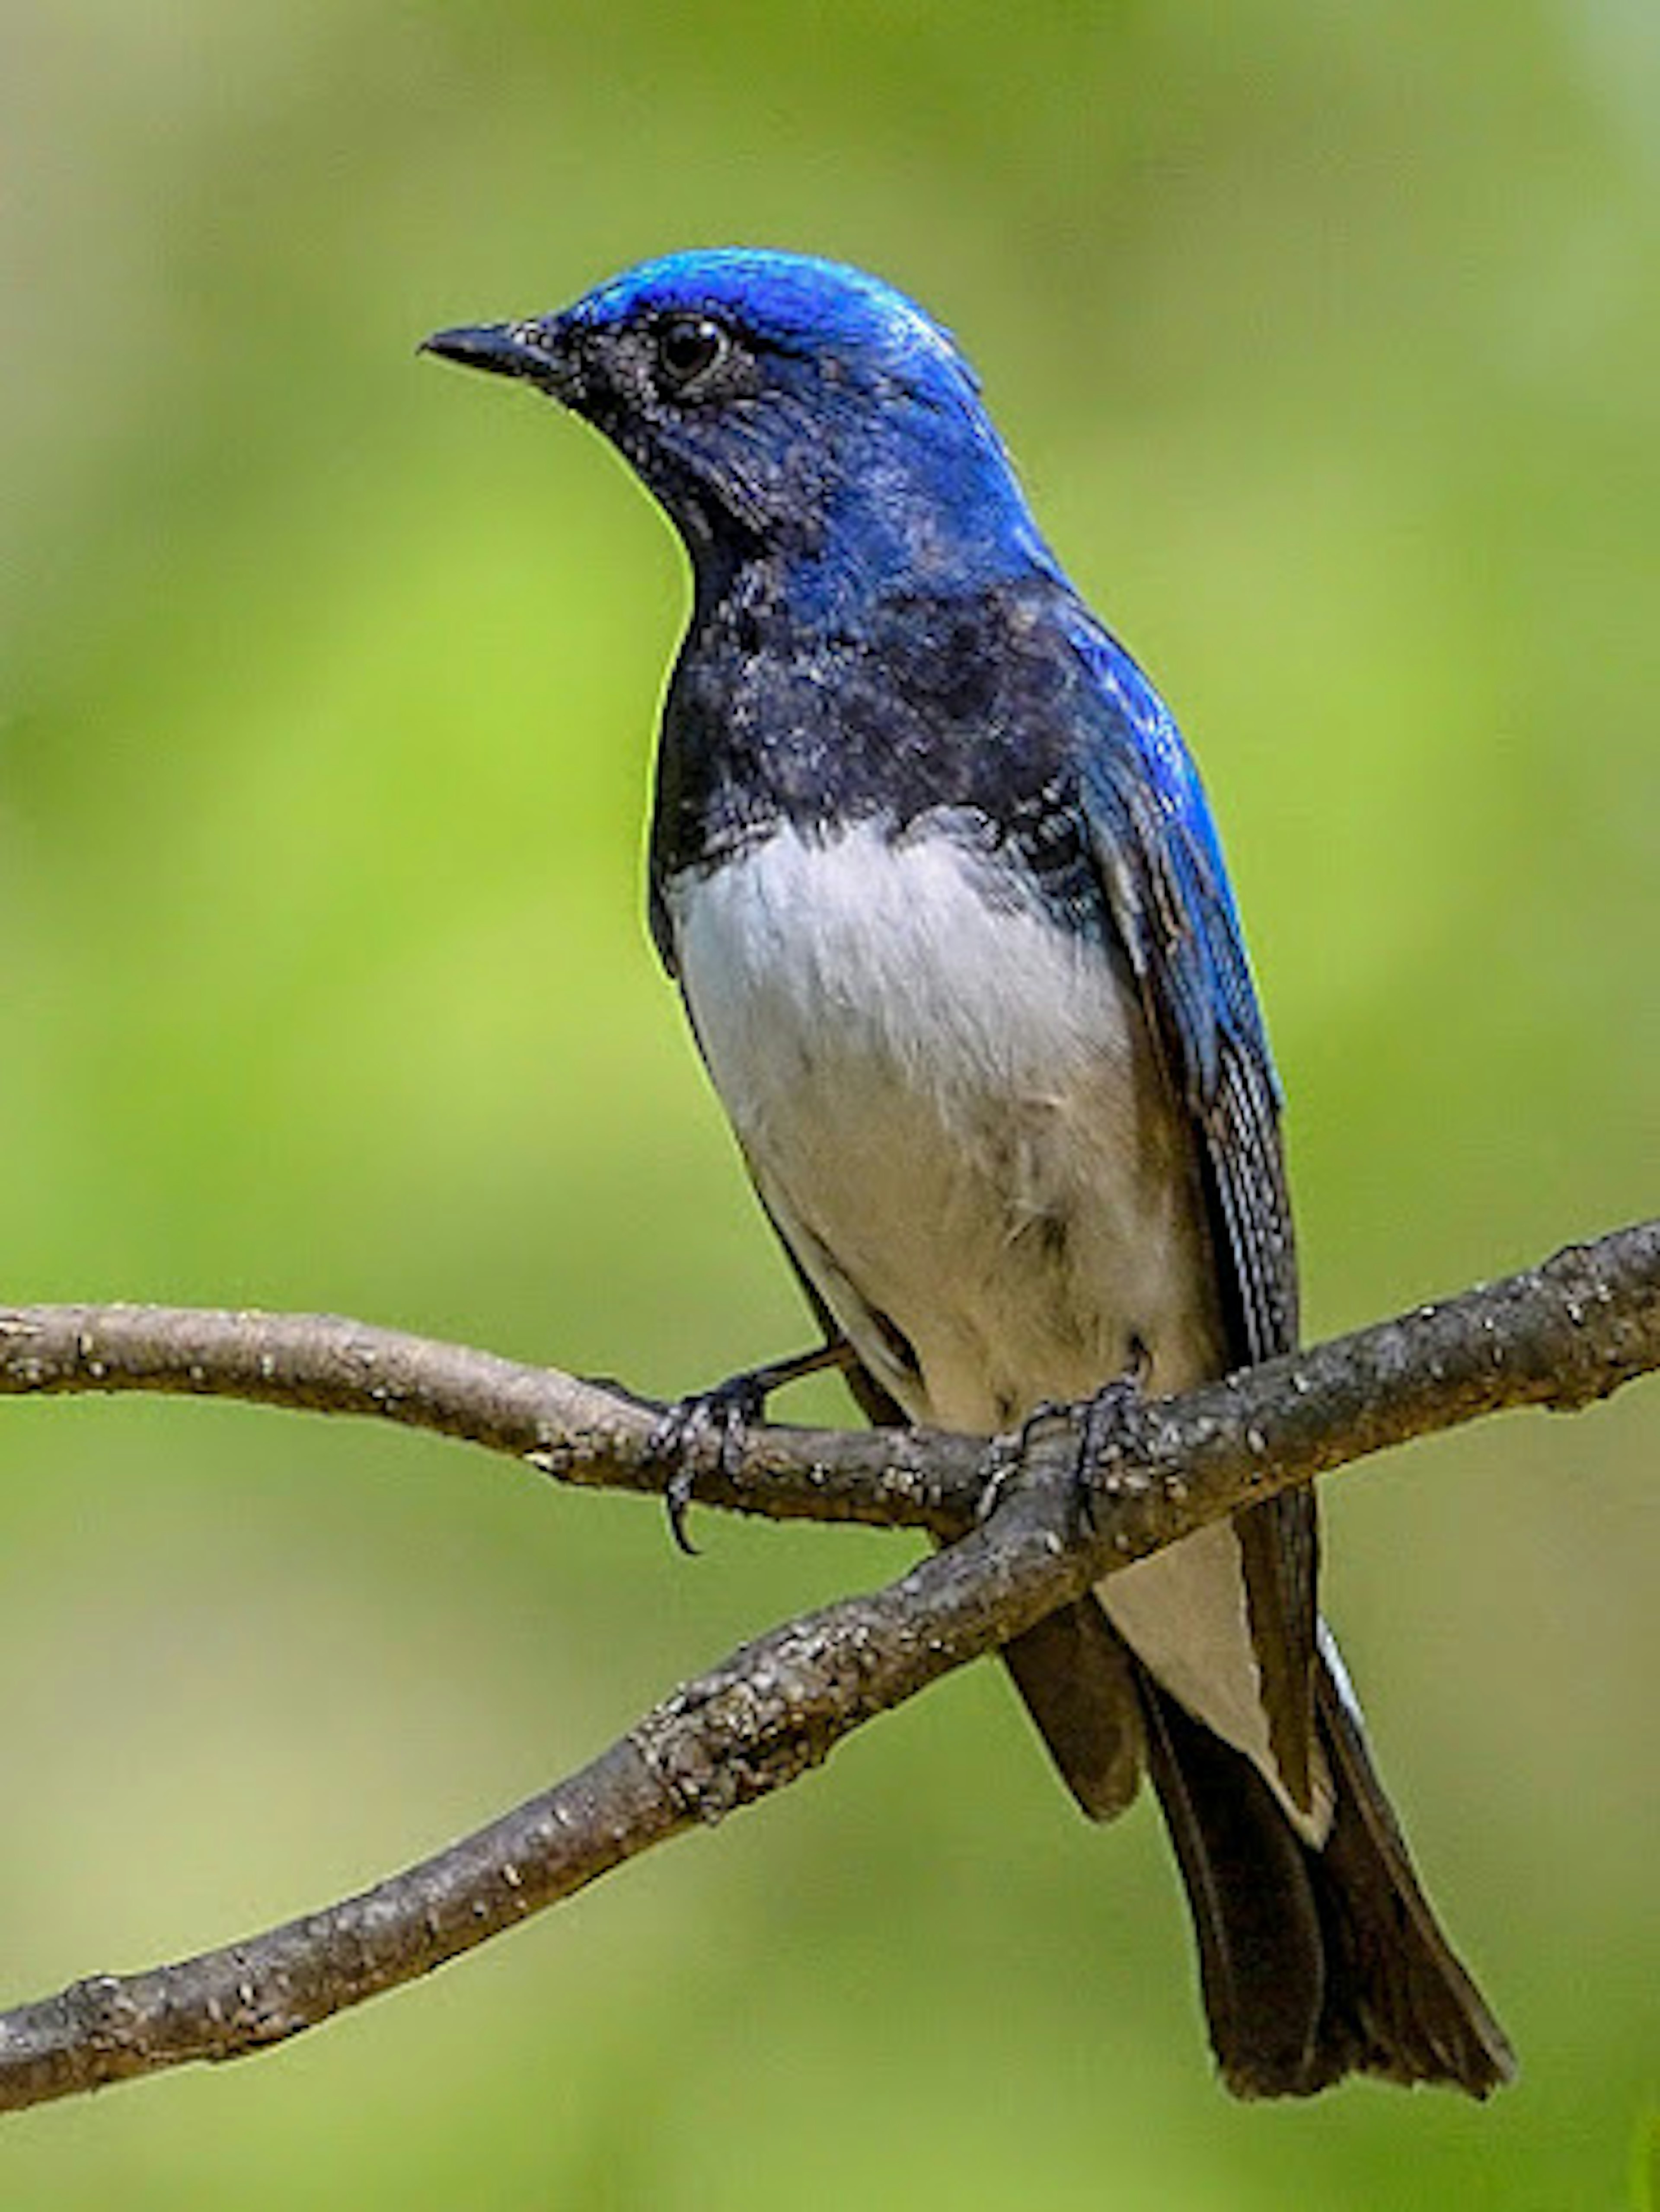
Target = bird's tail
(1315,1963)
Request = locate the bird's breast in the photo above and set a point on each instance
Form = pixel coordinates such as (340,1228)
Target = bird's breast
(951,1107)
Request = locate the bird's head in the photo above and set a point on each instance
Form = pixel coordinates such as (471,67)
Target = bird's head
(777,404)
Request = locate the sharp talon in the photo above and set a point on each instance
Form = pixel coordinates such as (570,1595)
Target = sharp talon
(1107,1416)
(677,1500)
(705,1432)
(689,1436)
(1046,1409)
(1003,1456)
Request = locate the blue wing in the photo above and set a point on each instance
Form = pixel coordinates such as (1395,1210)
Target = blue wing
(1160,867)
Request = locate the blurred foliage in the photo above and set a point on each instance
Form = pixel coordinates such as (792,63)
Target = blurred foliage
(1329,340)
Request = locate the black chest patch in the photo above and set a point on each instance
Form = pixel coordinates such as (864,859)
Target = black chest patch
(965,706)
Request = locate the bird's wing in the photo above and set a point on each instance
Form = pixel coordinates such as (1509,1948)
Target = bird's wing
(1161,869)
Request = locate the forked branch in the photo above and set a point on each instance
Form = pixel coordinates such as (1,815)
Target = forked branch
(1560,1336)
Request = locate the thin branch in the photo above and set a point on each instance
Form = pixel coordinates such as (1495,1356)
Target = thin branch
(759,1721)
(1560,1336)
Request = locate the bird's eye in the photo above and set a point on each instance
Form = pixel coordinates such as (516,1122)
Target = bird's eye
(688,348)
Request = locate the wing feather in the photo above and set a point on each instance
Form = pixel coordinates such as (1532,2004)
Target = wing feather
(1161,869)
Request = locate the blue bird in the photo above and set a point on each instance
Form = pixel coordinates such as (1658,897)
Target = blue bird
(943,898)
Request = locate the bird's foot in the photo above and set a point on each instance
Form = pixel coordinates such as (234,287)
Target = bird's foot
(705,1433)
(1105,1418)
(1006,1454)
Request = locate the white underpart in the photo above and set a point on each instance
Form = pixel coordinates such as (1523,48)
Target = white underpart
(952,1112)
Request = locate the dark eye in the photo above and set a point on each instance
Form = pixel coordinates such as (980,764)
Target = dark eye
(688,348)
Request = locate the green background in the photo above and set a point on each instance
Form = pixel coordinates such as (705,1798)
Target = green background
(1329,342)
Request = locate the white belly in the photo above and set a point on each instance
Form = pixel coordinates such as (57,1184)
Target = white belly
(954,1115)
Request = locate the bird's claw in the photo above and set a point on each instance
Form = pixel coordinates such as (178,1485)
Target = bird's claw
(703,1434)
(1005,1456)
(1105,1418)
(677,1494)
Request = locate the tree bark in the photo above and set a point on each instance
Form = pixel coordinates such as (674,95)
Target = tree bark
(1024,1533)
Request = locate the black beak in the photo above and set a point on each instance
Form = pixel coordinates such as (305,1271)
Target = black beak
(530,351)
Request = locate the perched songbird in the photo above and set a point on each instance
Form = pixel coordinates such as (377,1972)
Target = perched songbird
(938,883)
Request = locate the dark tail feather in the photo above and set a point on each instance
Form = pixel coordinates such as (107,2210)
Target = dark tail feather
(1314,1964)
(1421,2016)
(1078,1681)
(1262,1946)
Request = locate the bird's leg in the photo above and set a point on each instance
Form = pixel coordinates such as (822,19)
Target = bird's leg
(707,1427)
(1006,1454)
(1105,1416)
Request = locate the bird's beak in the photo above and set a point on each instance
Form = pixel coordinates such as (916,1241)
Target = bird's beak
(533,351)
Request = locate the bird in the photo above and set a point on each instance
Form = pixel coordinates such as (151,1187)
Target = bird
(940,887)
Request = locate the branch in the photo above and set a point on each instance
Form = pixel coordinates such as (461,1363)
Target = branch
(1560,1336)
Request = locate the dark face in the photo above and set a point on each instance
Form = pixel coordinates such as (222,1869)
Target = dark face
(730,431)
(774,405)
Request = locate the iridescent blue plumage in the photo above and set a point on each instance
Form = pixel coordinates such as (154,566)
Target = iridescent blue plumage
(948,908)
